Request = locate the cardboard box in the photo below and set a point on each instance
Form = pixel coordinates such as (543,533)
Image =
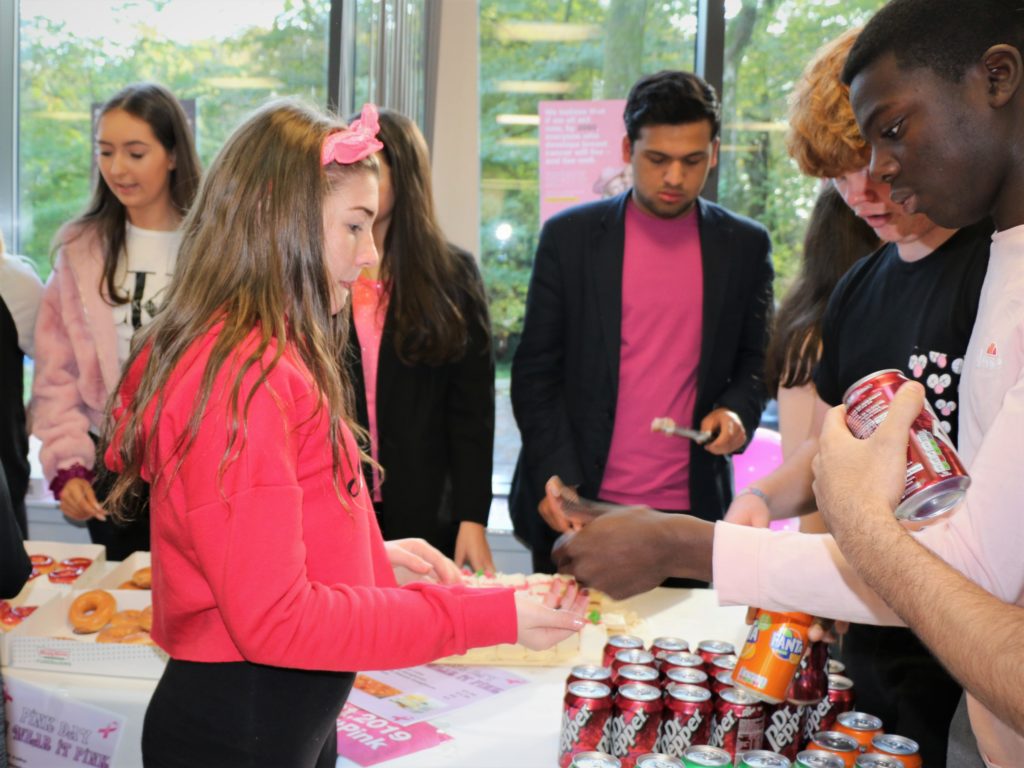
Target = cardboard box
(60,550)
(122,572)
(47,641)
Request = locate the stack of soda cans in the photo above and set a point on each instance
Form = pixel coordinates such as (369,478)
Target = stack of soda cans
(666,707)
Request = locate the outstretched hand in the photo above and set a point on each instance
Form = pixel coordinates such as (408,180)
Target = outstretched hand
(416,560)
(560,615)
(78,500)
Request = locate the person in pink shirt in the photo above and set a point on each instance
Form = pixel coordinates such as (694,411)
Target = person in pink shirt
(271,582)
(938,95)
(653,303)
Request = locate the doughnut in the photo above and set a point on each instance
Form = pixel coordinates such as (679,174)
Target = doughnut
(11,616)
(146,618)
(76,562)
(143,578)
(65,574)
(91,611)
(138,638)
(117,634)
(126,585)
(41,564)
(129,617)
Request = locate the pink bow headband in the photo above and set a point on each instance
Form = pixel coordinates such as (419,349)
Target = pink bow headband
(354,143)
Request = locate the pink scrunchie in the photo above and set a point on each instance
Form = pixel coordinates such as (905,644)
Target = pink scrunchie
(354,143)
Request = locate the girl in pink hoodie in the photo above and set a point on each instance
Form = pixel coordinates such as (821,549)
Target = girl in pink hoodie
(112,267)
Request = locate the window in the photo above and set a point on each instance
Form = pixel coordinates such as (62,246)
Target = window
(767,45)
(228,57)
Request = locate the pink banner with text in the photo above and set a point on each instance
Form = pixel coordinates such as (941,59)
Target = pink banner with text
(580,155)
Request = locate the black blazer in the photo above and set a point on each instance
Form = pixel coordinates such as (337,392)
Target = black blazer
(435,429)
(565,373)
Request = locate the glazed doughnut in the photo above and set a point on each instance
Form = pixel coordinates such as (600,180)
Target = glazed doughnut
(130,617)
(91,611)
(143,578)
(126,585)
(65,574)
(42,563)
(76,562)
(146,618)
(138,638)
(117,634)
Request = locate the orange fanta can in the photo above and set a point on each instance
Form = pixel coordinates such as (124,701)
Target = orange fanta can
(771,656)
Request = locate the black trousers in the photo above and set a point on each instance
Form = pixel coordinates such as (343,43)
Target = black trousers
(897,679)
(243,715)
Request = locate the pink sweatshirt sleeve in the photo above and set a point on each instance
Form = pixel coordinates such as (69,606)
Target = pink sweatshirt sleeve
(792,571)
(60,418)
(983,539)
(249,545)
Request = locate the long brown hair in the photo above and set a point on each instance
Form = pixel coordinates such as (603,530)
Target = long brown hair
(836,237)
(434,294)
(105,215)
(252,257)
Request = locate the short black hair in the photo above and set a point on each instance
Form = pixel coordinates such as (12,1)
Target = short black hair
(944,36)
(671,97)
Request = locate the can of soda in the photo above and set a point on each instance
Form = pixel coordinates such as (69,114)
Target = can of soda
(816,758)
(725,663)
(761,758)
(772,653)
(903,749)
(658,760)
(706,757)
(784,728)
(632,656)
(665,645)
(591,672)
(586,713)
(679,660)
(722,682)
(635,721)
(876,760)
(685,675)
(839,744)
(861,726)
(686,719)
(738,723)
(810,685)
(835,667)
(636,673)
(822,715)
(709,649)
(595,760)
(936,479)
(616,643)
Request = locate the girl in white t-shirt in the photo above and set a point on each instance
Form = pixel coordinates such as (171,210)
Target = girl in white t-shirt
(112,267)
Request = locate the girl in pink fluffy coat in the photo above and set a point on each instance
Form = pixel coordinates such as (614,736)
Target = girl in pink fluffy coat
(113,265)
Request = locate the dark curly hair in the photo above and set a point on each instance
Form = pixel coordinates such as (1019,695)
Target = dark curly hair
(944,36)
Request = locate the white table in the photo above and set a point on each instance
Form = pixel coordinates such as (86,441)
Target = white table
(516,729)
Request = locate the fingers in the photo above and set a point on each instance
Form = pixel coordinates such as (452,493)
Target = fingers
(751,615)
(550,510)
(905,407)
(78,501)
(400,556)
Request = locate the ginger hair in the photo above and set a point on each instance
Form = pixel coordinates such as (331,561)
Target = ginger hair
(823,135)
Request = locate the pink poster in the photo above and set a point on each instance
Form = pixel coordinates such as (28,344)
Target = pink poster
(366,739)
(580,153)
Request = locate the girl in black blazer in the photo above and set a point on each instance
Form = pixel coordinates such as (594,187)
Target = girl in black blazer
(422,366)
